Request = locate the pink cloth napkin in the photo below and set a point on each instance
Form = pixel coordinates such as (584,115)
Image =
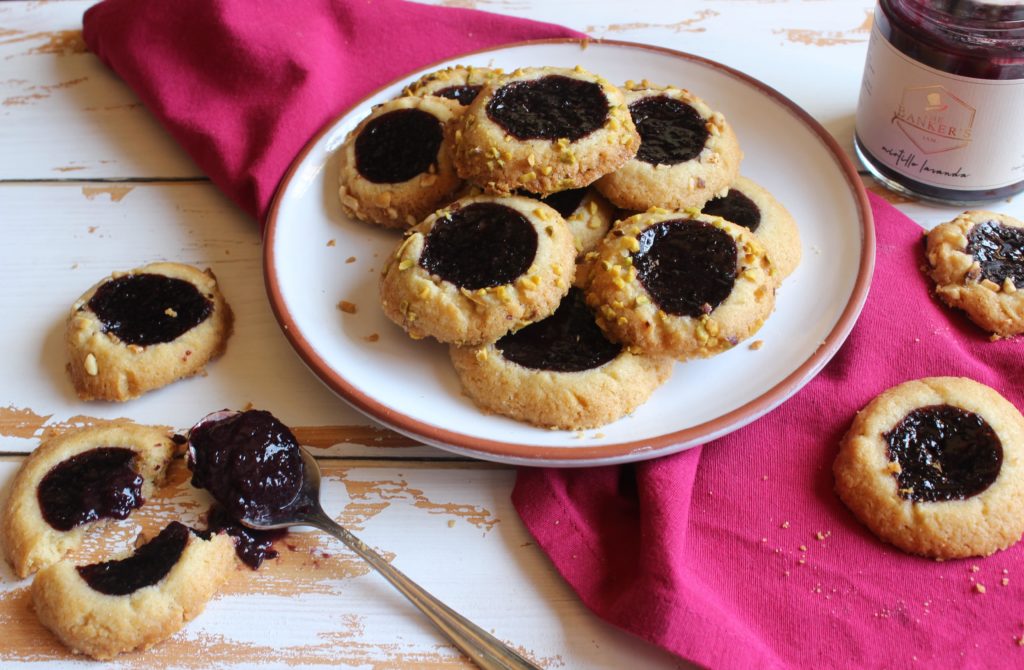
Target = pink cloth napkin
(739,555)
(242,85)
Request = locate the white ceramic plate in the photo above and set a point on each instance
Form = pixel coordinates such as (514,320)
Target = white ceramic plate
(411,387)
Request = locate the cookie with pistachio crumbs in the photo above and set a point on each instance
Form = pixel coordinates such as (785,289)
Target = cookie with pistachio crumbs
(749,205)
(560,372)
(132,603)
(680,284)
(688,152)
(479,268)
(977,263)
(587,212)
(544,130)
(395,167)
(461,83)
(140,330)
(935,466)
(78,481)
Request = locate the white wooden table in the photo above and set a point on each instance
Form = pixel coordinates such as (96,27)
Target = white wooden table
(89,183)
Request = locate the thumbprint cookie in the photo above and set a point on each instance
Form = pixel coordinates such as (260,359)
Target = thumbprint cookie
(140,330)
(76,481)
(395,167)
(479,268)
(586,211)
(688,152)
(935,467)
(977,263)
(544,130)
(680,284)
(132,603)
(460,83)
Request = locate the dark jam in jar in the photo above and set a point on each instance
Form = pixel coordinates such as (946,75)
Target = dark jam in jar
(942,97)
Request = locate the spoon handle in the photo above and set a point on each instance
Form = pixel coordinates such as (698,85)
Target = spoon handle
(487,651)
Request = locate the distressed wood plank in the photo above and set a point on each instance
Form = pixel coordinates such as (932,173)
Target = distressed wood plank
(452,529)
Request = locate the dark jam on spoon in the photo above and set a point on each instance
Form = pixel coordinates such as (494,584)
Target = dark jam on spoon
(97,484)
(944,453)
(249,462)
(252,546)
(480,245)
(148,565)
(148,308)
(688,267)
(549,108)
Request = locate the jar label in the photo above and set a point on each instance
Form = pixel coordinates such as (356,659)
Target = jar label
(938,128)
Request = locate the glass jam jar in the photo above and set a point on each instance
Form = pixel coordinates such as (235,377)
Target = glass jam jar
(941,110)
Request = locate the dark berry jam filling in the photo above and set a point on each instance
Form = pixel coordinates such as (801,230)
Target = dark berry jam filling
(567,341)
(252,546)
(249,462)
(397,146)
(999,250)
(565,202)
(461,94)
(944,453)
(736,207)
(688,267)
(549,108)
(97,484)
(670,131)
(147,308)
(148,565)
(480,245)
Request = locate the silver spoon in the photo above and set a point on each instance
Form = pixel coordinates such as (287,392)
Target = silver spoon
(487,651)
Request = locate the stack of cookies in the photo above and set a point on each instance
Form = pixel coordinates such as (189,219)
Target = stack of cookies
(568,238)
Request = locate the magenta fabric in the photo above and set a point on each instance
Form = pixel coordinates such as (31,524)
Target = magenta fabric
(242,85)
(738,554)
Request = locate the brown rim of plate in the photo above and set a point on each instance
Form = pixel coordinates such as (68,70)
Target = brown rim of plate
(619,451)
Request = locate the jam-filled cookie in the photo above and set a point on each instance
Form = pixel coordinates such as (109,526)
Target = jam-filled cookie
(76,480)
(688,152)
(140,330)
(586,211)
(935,467)
(560,372)
(479,268)
(395,167)
(681,284)
(977,262)
(460,83)
(543,130)
(749,205)
(108,608)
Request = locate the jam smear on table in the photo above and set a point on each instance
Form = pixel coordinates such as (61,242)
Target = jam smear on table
(735,207)
(100,483)
(249,462)
(944,453)
(480,245)
(567,341)
(146,308)
(461,94)
(999,250)
(148,565)
(549,108)
(398,145)
(688,267)
(671,131)
(252,546)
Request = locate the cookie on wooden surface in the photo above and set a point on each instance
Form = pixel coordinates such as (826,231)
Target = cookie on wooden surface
(108,608)
(544,130)
(935,466)
(560,372)
(688,152)
(394,167)
(78,480)
(481,267)
(140,330)
(977,263)
(680,284)
(749,205)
